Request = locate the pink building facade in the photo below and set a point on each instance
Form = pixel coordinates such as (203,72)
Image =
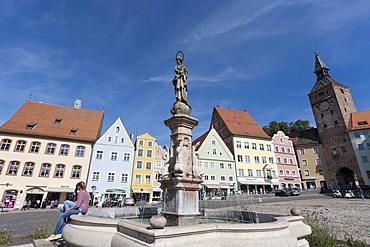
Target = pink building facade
(286,160)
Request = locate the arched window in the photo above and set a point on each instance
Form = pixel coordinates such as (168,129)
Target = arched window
(19,147)
(64,149)
(80,151)
(35,147)
(117,129)
(28,169)
(13,167)
(45,170)
(5,144)
(59,171)
(50,148)
(1,165)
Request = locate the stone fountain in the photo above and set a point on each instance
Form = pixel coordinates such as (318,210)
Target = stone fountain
(178,223)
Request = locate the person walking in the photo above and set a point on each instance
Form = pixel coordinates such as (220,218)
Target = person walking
(81,206)
(361,191)
(29,204)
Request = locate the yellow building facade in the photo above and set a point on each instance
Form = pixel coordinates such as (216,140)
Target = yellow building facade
(143,169)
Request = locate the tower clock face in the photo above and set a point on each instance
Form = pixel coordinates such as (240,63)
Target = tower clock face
(324,106)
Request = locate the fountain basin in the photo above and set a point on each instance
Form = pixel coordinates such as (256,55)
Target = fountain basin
(285,231)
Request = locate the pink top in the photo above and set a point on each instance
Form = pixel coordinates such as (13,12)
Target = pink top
(83,199)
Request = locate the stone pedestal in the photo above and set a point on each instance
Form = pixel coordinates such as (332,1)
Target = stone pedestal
(181,185)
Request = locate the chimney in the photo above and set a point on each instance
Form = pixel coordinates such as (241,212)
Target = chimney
(77,104)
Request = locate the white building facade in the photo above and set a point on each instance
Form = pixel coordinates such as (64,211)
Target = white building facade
(111,165)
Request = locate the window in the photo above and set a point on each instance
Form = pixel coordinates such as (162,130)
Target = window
(139,164)
(148,165)
(288,150)
(282,149)
(360,146)
(256,159)
(213,142)
(287,172)
(59,171)
(64,149)
(306,172)
(281,172)
(113,156)
(262,147)
(259,173)
(222,166)
(364,159)
(241,172)
(276,149)
(73,132)
(368,174)
(158,176)
(126,157)
(147,179)
(30,126)
(368,145)
(240,158)
(109,139)
(28,168)
(357,135)
(200,164)
(50,148)
(140,152)
(230,166)
(321,172)
(205,164)
(150,143)
(281,140)
(137,178)
(271,160)
(149,153)
(343,149)
(116,139)
(13,168)
(58,121)
(205,177)
(285,160)
(117,129)
(99,155)
(238,144)
(247,159)
(264,160)
(278,160)
(291,161)
(365,133)
(304,163)
(213,178)
(318,162)
(268,147)
(124,178)
(45,170)
(246,145)
(294,173)
(19,147)
(250,173)
(223,178)
(231,178)
(158,163)
(35,147)
(76,171)
(95,176)
(214,151)
(301,151)
(111,177)
(315,150)
(254,146)
(141,142)
(80,151)
(212,165)
(122,140)
(273,174)
(1,165)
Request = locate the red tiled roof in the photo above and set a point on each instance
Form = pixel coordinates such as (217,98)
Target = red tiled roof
(86,122)
(359,120)
(200,140)
(241,123)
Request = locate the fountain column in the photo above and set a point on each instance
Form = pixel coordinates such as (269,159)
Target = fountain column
(181,180)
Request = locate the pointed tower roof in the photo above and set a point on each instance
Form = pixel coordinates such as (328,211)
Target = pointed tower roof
(320,68)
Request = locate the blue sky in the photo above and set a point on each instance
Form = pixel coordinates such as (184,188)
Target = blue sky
(245,55)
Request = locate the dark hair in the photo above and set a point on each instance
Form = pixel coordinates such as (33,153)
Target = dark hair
(81,184)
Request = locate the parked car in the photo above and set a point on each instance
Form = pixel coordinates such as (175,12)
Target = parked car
(128,202)
(288,192)
(281,193)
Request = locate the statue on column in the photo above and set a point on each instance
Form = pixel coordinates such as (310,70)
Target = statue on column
(181,89)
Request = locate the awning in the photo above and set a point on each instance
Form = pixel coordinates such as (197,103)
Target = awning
(226,186)
(157,189)
(254,182)
(212,186)
(36,191)
(66,190)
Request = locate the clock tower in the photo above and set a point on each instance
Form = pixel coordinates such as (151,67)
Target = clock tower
(332,105)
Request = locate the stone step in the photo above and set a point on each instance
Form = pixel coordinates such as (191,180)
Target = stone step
(44,243)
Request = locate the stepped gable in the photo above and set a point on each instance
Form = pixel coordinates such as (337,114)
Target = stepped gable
(241,123)
(40,119)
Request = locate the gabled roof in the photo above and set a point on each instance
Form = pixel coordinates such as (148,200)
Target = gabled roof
(324,81)
(200,139)
(359,120)
(240,123)
(49,120)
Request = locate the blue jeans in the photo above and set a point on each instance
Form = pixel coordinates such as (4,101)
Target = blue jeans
(66,205)
(61,220)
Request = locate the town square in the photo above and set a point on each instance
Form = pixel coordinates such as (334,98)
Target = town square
(242,126)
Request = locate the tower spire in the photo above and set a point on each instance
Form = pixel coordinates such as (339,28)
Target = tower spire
(320,68)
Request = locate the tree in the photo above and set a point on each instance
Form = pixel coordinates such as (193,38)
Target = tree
(286,127)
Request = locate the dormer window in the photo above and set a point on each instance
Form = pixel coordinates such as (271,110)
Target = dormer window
(362,123)
(117,129)
(58,121)
(30,126)
(73,132)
